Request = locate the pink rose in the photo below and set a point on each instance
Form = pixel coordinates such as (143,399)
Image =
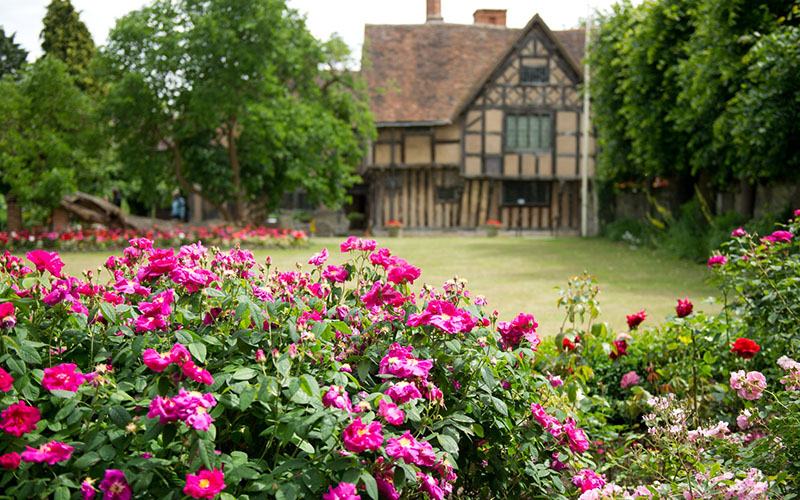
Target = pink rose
(10,461)
(344,491)
(359,436)
(19,419)
(204,484)
(46,261)
(115,486)
(319,258)
(391,413)
(63,377)
(6,381)
(629,379)
(50,453)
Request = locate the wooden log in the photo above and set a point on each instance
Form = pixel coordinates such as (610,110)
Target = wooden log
(473,203)
(438,207)
(483,210)
(464,212)
(387,204)
(494,201)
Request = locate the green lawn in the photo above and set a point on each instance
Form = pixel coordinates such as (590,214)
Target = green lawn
(521,274)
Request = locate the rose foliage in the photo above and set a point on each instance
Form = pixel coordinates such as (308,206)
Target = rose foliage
(204,373)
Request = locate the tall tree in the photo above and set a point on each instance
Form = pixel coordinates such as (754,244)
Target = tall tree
(46,135)
(701,92)
(235,101)
(12,56)
(66,37)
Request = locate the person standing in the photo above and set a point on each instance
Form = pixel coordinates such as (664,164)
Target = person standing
(178,205)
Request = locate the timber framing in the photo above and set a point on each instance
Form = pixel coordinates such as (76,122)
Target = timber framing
(509,147)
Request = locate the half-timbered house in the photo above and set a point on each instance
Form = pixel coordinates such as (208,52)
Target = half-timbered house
(475,122)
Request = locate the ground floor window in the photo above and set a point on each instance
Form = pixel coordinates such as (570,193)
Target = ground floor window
(526,193)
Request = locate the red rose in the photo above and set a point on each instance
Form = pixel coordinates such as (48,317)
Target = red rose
(684,308)
(745,348)
(570,346)
(622,349)
(635,320)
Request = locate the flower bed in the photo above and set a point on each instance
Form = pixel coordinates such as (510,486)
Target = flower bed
(102,239)
(203,374)
(206,374)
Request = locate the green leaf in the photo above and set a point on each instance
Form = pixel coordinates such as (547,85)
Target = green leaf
(207,455)
(488,378)
(108,312)
(342,327)
(310,386)
(61,493)
(29,355)
(241,310)
(246,397)
(370,484)
(500,406)
(448,444)
(63,394)
(198,350)
(137,346)
(244,374)
(154,428)
(119,416)
(87,460)
(287,491)
(183,337)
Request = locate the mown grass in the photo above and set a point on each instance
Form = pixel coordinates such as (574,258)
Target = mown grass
(522,274)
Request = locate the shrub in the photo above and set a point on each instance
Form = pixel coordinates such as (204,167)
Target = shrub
(205,373)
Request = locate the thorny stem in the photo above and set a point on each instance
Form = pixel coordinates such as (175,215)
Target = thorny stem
(694,377)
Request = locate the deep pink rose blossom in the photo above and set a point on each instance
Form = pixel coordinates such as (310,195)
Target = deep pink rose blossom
(19,419)
(51,453)
(717,260)
(319,258)
(634,320)
(588,479)
(46,261)
(114,486)
(63,377)
(6,381)
(391,413)
(344,491)
(204,484)
(359,436)
(10,461)
(7,317)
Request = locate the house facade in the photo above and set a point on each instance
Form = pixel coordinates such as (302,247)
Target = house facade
(475,122)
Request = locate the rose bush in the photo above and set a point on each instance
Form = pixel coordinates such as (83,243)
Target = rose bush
(204,373)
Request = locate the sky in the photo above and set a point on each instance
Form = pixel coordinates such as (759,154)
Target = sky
(324,17)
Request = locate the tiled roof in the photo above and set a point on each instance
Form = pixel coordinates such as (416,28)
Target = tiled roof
(422,73)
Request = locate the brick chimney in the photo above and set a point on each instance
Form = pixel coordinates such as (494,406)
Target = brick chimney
(434,11)
(495,17)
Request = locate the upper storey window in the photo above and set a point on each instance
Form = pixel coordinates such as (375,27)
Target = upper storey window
(528,132)
(534,75)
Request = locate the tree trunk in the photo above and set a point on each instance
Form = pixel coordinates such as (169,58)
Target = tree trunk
(236,167)
(13,213)
(747,199)
(796,196)
(177,165)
